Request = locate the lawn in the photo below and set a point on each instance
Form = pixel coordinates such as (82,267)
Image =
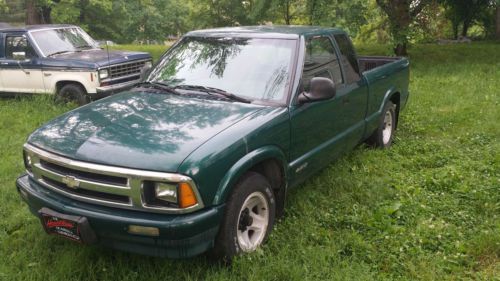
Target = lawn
(426,209)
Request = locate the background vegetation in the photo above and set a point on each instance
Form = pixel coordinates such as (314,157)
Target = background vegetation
(399,22)
(426,209)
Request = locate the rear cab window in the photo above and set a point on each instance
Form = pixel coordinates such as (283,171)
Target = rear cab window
(321,60)
(348,58)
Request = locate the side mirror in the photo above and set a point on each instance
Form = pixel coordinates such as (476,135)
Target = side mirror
(320,88)
(19,56)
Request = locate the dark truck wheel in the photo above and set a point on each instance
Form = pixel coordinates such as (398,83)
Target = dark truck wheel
(73,92)
(248,219)
(384,134)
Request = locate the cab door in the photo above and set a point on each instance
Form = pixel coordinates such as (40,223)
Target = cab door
(20,69)
(354,93)
(318,129)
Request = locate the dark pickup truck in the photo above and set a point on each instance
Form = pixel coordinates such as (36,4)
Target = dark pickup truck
(201,154)
(64,60)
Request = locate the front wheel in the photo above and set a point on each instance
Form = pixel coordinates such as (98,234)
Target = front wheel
(248,219)
(73,93)
(384,134)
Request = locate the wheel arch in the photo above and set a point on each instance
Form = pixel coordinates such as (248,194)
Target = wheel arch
(395,98)
(60,84)
(270,161)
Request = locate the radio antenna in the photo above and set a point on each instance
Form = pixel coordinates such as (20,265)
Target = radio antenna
(109,65)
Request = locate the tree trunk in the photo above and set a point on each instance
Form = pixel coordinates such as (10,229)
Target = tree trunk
(46,18)
(455,27)
(401,49)
(498,23)
(288,17)
(37,15)
(312,10)
(32,13)
(465,28)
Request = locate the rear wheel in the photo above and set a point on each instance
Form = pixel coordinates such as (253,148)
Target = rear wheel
(384,134)
(73,93)
(248,219)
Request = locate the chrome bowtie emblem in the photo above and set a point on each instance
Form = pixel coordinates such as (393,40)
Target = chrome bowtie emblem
(71,182)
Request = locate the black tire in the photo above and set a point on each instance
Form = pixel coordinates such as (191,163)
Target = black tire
(227,243)
(73,93)
(378,139)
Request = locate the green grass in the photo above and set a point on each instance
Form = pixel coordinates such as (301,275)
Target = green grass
(426,209)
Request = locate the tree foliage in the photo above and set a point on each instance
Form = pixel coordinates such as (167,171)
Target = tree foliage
(3,6)
(400,21)
(464,13)
(401,15)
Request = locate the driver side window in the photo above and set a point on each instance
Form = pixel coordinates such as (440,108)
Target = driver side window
(320,61)
(18,43)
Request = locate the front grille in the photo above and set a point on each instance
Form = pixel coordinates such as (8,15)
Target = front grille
(107,179)
(87,193)
(101,184)
(126,69)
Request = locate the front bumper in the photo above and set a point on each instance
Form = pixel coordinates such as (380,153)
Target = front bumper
(180,235)
(104,91)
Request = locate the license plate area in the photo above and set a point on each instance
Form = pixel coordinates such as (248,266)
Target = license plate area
(75,228)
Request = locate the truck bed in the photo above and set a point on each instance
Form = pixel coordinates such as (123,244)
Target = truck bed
(384,75)
(370,62)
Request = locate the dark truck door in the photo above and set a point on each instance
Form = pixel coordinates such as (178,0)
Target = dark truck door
(354,93)
(20,76)
(322,130)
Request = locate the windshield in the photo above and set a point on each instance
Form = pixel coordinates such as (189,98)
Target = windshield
(62,40)
(253,68)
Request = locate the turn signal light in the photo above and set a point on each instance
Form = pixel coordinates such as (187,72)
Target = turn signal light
(143,230)
(187,198)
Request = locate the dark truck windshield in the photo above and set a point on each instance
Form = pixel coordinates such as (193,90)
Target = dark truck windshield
(62,40)
(252,68)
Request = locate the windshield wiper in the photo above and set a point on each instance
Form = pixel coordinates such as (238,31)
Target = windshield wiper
(157,85)
(58,53)
(212,90)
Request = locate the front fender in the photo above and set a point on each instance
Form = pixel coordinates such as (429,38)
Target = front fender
(243,165)
(88,79)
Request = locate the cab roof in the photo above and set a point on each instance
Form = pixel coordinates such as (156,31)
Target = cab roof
(34,27)
(278,31)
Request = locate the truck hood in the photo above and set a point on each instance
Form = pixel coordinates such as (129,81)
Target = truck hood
(142,130)
(100,57)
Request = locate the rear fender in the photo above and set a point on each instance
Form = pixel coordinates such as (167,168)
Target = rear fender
(373,120)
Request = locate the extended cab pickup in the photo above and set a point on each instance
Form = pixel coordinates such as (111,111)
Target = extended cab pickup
(64,60)
(202,153)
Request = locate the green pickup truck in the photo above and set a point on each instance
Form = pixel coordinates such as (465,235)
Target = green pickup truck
(201,154)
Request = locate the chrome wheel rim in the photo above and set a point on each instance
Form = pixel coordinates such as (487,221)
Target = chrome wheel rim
(253,220)
(387,131)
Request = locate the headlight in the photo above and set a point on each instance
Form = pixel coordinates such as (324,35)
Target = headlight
(103,74)
(166,192)
(148,64)
(179,195)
